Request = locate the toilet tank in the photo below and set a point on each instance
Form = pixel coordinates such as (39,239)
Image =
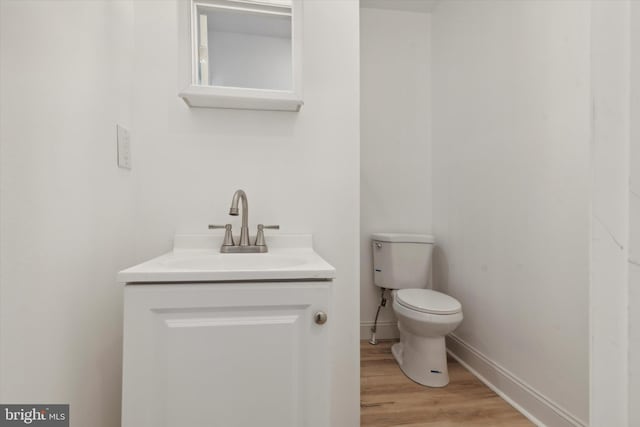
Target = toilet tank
(401,260)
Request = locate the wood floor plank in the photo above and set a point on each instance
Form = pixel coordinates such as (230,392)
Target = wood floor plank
(390,399)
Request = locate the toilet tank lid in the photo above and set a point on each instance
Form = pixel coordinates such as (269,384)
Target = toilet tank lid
(403,238)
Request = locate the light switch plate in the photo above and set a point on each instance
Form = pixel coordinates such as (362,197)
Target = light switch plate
(124,148)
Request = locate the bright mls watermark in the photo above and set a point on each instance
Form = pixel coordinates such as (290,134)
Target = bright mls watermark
(34,415)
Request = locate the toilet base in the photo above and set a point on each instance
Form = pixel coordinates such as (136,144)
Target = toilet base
(422,359)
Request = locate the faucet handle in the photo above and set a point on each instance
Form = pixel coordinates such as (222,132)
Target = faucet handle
(272,227)
(228,235)
(260,236)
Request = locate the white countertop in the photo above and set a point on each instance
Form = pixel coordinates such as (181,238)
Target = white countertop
(197,258)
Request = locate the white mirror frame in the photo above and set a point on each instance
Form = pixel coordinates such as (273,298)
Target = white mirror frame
(234,97)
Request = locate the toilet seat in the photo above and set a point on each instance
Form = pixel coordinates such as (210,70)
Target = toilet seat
(428,301)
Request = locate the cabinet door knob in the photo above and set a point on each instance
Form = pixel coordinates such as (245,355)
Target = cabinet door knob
(320,317)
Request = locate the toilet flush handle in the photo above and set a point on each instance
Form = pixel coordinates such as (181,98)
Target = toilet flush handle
(378,245)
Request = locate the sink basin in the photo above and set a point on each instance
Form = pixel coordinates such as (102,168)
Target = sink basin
(197,258)
(254,262)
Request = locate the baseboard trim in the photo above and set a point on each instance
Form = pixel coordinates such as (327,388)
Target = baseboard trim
(538,408)
(385,331)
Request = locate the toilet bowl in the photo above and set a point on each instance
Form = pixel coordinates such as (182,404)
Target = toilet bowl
(402,263)
(425,317)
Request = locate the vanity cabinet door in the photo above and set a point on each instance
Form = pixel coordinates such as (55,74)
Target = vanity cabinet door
(227,355)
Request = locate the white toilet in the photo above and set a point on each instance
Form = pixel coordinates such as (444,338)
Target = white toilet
(402,262)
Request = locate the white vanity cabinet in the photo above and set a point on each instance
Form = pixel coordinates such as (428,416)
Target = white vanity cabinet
(227,354)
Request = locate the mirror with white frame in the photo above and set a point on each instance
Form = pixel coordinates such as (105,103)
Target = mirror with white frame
(245,54)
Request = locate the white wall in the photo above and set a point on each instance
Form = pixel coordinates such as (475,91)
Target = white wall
(395,152)
(511,131)
(66,210)
(299,170)
(610,213)
(634,216)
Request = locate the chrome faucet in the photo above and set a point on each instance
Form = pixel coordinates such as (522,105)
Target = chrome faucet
(233,210)
(243,246)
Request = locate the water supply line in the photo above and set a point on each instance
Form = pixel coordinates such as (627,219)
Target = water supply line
(383,302)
